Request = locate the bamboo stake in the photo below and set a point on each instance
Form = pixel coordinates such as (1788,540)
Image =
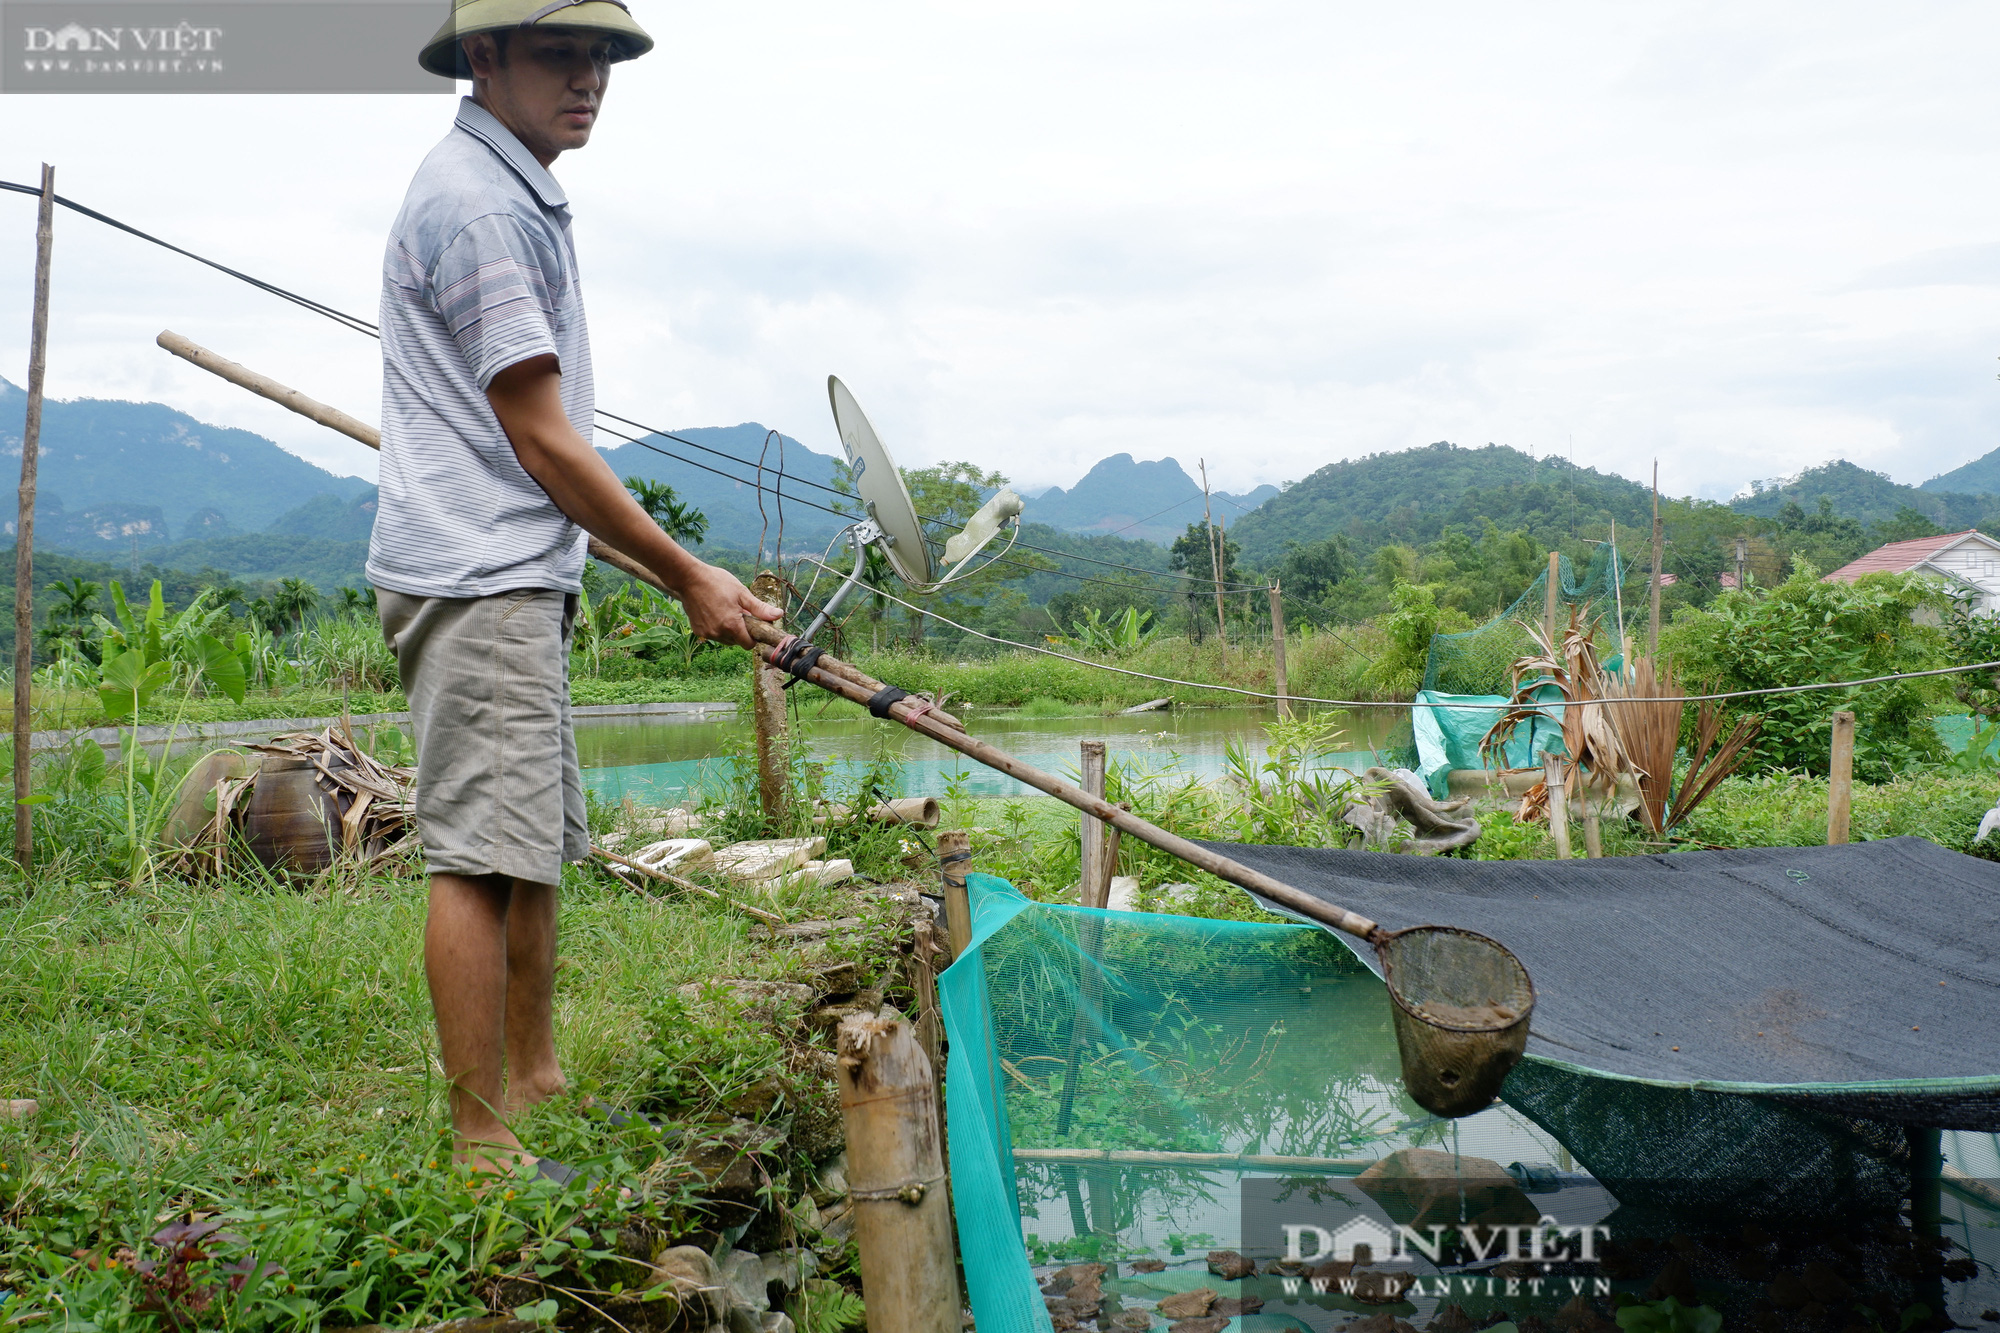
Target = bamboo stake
(1214,561)
(768,918)
(1653,633)
(1278,683)
(954,852)
(24,529)
(1840,784)
(767,706)
(895,1166)
(360,431)
(1553,783)
(1550,595)
(1090,867)
(1195,1160)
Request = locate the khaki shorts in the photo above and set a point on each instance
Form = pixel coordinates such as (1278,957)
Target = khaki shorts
(498,791)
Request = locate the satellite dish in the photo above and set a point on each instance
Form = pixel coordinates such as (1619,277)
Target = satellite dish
(883,496)
(892,525)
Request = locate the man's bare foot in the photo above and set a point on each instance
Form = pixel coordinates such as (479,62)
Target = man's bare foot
(533,1090)
(500,1155)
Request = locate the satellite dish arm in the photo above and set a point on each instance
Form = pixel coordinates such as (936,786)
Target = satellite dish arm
(862,534)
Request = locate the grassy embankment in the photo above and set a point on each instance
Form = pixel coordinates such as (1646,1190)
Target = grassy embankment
(261,1052)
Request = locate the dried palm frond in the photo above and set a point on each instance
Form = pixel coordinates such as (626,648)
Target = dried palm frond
(1571,665)
(1700,780)
(1650,732)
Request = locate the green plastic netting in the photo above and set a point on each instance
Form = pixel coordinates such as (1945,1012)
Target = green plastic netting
(1212,1057)
(1481,661)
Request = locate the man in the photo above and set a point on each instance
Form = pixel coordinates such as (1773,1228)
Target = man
(488,484)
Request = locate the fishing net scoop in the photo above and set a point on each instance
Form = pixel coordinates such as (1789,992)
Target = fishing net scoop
(1460,1005)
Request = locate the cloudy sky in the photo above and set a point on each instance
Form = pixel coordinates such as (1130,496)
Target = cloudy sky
(1743,239)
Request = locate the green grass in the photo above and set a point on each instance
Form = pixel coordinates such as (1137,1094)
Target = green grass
(265,1052)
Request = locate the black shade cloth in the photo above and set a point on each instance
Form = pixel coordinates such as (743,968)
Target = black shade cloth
(1861,980)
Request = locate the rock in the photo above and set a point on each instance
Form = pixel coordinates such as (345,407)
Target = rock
(692,1275)
(1420,1188)
(725,1160)
(789,1269)
(1124,895)
(776,1322)
(1231,1306)
(760,1001)
(751,863)
(743,1273)
(1229,1265)
(1149,1265)
(832,1180)
(827,1018)
(801,931)
(1452,1319)
(835,977)
(19,1108)
(1150,706)
(1187,1304)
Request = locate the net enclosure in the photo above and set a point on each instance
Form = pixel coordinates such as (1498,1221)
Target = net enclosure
(1481,661)
(1750,1031)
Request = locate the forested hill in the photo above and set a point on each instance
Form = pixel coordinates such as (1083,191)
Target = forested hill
(1869,497)
(1979,477)
(1413,495)
(1152,501)
(705,472)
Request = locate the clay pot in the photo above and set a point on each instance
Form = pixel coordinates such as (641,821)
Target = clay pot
(289,823)
(192,811)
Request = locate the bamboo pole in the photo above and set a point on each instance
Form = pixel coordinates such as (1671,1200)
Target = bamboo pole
(1214,560)
(1550,595)
(1653,632)
(1553,782)
(1194,1160)
(24,529)
(1840,784)
(767,707)
(1278,682)
(1090,879)
(1222,867)
(895,1170)
(954,852)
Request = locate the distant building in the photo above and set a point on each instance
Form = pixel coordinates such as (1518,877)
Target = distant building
(1968,558)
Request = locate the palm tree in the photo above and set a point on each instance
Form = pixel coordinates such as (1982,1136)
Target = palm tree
(294,598)
(678,519)
(355,599)
(79,597)
(224,591)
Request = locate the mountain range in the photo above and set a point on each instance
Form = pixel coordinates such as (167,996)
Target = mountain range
(126,480)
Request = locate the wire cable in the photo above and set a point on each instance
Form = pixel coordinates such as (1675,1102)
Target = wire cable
(1455,707)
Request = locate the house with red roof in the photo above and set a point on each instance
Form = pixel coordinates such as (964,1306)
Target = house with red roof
(1970,558)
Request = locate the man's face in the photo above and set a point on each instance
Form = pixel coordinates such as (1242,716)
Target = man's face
(547,86)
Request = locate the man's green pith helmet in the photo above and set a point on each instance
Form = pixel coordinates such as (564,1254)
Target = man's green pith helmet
(443,55)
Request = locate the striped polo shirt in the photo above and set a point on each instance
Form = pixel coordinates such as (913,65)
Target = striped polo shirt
(479,275)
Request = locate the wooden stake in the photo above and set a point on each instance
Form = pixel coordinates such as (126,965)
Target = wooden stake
(895,1170)
(1840,784)
(1550,596)
(767,705)
(1091,866)
(1111,837)
(954,851)
(24,529)
(1653,632)
(1278,683)
(1553,781)
(1593,832)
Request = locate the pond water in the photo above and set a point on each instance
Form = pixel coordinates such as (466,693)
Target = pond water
(659,761)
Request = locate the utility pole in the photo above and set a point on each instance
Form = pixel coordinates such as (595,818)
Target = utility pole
(1278,682)
(1549,596)
(1653,635)
(1214,558)
(24,527)
(1742,560)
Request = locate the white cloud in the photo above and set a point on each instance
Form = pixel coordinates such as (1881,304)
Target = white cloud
(1270,234)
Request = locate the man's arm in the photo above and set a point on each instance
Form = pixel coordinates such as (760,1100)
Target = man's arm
(527,397)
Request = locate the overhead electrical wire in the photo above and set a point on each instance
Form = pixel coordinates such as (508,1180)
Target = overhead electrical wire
(359,325)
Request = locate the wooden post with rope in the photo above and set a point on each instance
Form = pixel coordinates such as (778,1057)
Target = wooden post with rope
(24,530)
(1279,686)
(1553,781)
(1090,865)
(954,853)
(1550,595)
(767,706)
(896,1176)
(1840,780)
